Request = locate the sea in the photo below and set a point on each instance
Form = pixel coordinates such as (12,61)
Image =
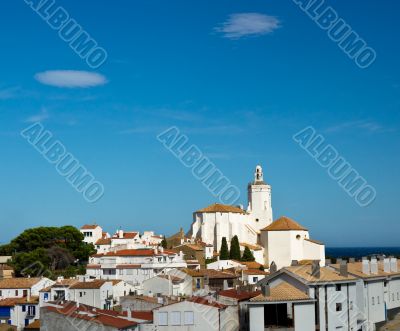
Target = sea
(359,252)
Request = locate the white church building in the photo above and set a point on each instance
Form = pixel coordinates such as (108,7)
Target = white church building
(282,241)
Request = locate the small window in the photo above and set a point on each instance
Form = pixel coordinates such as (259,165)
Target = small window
(162,318)
(175,318)
(189,318)
(338,307)
(255,279)
(378,300)
(24,308)
(338,287)
(80,294)
(298,237)
(257,220)
(373,301)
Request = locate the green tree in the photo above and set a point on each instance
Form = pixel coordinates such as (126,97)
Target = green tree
(224,252)
(164,243)
(248,255)
(234,253)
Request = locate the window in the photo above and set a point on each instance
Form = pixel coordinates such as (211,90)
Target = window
(162,318)
(377,300)
(257,220)
(24,308)
(80,294)
(175,318)
(1,293)
(298,237)
(255,279)
(16,293)
(338,307)
(189,318)
(338,287)
(373,301)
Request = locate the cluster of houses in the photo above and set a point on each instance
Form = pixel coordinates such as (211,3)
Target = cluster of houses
(143,281)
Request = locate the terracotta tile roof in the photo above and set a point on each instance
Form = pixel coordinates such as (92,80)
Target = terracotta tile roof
(326,274)
(95,284)
(284,224)
(11,302)
(140,315)
(315,241)
(282,292)
(211,273)
(33,325)
(220,208)
(355,268)
(105,317)
(252,247)
(239,295)
(89,227)
(128,266)
(126,235)
(103,241)
(18,283)
(252,265)
(93,266)
(255,272)
(204,301)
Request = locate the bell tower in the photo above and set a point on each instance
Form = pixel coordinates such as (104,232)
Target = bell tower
(259,196)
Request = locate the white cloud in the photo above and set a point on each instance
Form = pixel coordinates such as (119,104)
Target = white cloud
(248,24)
(9,93)
(70,78)
(43,115)
(366,125)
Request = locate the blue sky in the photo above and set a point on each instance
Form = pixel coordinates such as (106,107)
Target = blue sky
(238,92)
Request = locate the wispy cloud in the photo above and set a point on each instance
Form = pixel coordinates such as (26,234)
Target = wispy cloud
(9,93)
(248,24)
(42,116)
(369,126)
(71,78)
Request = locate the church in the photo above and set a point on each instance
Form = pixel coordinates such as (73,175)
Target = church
(282,241)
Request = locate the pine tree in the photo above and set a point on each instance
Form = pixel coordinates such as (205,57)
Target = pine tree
(247,255)
(224,253)
(164,243)
(234,253)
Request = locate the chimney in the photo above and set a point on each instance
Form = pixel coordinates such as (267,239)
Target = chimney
(294,263)
(328,261)
(343,269)
(365,267)
(120,234)
(129,314)
(386,265)
(352,260)
(315,269)
(265,290)
(374,266)
(273,268)
(339,261)
(225,284)
(393,264)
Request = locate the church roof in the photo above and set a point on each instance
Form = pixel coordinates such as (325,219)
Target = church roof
(220,208)
(284,224)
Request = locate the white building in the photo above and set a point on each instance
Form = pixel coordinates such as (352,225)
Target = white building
(134,265)
(306,298)
(216,221)
(19,300)
(92,233)
(378,290)
(285,241)
(197,314)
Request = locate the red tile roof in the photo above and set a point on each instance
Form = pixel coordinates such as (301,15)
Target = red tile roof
(284,224)
(239,295)
(206,302)
(105,317)
(103,241)
(89,227)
